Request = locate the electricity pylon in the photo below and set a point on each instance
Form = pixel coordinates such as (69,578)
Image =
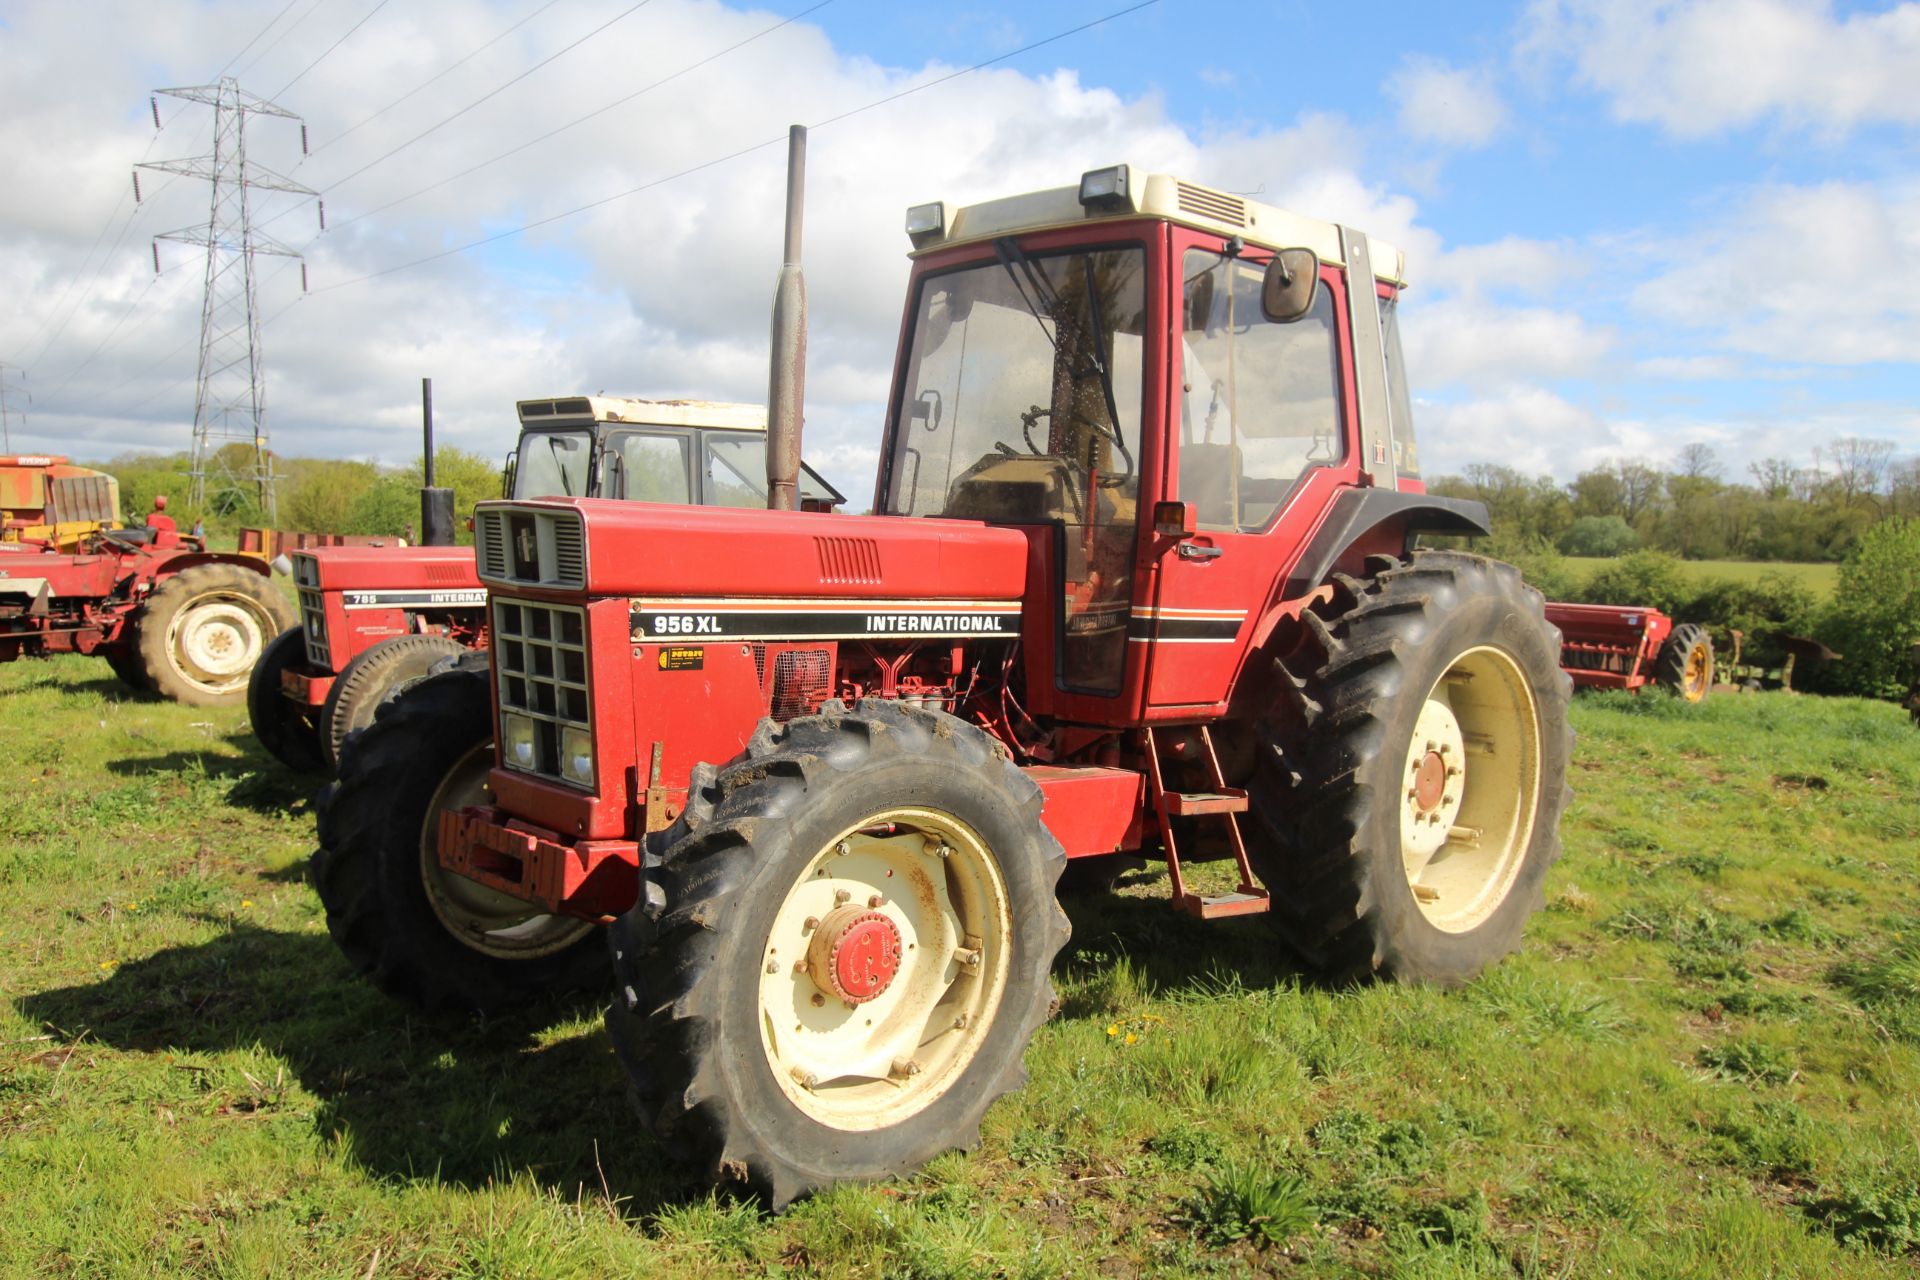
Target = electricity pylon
(230,396)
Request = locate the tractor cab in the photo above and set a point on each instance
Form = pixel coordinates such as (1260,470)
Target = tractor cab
(689,452)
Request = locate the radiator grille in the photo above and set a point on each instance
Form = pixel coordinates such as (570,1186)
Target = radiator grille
(313,617)
(1217,205)
(540,656)
(540,548)
(802,679)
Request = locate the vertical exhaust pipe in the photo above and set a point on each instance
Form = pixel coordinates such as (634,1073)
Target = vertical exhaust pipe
(436,505)
(786,386)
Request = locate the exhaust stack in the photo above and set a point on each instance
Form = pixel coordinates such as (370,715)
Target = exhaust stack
(436,505)
(786,386)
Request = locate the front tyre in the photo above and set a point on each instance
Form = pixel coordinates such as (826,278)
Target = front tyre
(843,951)
(283,727)
(202,630)
(421,933)
(1412,795)
(371,679)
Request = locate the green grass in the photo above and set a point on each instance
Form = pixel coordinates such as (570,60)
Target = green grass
(1704,1061)
(1817,578)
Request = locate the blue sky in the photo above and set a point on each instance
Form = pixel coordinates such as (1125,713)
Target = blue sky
(1631,225)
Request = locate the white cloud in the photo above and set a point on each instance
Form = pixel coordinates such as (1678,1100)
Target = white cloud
(1467,341)
(1827,274)
(1447,105)
(1700,67)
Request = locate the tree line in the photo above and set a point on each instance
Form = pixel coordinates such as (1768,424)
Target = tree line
(1780,510)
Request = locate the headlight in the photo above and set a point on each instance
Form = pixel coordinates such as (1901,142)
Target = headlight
(576,756)
(517,749)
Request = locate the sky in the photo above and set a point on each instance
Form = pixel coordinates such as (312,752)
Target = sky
(1630,225)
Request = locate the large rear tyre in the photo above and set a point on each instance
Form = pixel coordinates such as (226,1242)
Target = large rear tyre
(283,727)
(126,665)
(1411,793)
(423,934)
(373,678)
(1685,663)
(841,951)
(202,630)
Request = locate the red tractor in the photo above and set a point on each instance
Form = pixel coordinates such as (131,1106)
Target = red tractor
(373,619)
(1606,646)
(166,613)
(1142,580)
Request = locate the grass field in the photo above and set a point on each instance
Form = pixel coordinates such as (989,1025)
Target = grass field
(1817,578)
(1704,1062)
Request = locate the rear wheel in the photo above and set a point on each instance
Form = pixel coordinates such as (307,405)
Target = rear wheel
(842,951)
(202,630)
(284,727)
(1412,793)
(1685,664)
(373,678)
(126,665)
(423,934)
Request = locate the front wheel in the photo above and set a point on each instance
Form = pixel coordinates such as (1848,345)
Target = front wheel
(202,630)
(284,728)
(1411,799)
(423,934)
(374,678)
(842,952)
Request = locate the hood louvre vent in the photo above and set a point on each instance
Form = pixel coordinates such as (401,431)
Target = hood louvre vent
(1217,205)
(848,561)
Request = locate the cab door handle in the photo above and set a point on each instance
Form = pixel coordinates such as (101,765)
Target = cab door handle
(1194,551)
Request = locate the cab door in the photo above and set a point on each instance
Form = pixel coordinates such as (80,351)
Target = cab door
(1258,444)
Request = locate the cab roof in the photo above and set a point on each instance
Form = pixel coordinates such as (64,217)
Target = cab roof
(580,410)
(1159,195)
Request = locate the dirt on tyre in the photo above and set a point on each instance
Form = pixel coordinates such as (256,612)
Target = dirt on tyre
(200,633)
(1409,794)
(840,952)
(371,679)
(422,934)
(285,729)
(1685,662)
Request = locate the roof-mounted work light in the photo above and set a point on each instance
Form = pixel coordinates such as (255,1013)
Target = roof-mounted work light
(926,222)
(1105,189)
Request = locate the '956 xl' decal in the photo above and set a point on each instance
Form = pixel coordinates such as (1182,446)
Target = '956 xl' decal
(782,620)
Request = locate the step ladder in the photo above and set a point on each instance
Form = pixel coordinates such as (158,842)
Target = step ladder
(1218,801)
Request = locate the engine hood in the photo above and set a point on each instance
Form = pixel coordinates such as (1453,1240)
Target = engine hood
(393,567)
(659,552)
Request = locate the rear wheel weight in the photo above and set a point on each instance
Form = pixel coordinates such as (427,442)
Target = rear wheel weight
(422,934)
(787,1037)
(285,729)
(1409,799)
(1685,663)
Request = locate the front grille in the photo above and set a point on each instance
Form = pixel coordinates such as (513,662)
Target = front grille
(306,571)
(540,657)
(313,616)
(538,547)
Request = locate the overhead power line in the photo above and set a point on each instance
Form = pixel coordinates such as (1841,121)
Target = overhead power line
(779,140)
(436,78)
(580,120)
(275,43)
(256,39)
(329,49)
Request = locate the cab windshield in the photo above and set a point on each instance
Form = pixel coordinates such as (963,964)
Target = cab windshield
(1022,393)
(552,464)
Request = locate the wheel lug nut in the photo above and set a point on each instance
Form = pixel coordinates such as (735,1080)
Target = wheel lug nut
(819,1001)
(805,1079)
(844,848)
(840,897)
(875,902)
(905,1067)
(962,1022)
(810,924)
(773,966)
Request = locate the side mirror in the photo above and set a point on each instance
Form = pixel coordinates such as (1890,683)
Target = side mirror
(1287,291)
(1174,520)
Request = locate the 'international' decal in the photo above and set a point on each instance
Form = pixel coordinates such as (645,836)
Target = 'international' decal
(786,620)
(415,599)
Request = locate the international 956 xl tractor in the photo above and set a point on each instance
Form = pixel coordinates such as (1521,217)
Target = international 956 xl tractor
(1141,579)
(169,615)
(375,618)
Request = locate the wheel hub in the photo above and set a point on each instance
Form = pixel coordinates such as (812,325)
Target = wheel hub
(1429,782)
(855,954)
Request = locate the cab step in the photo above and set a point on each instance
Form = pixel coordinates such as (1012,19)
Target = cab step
(1191,804)
(1227,904)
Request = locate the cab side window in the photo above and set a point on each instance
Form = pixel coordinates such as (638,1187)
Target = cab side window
(1259,402)
(653,468)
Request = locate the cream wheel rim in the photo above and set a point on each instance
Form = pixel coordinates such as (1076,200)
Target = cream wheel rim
(1470,789)
(215,640)
(859,1042)
(1699,672)
(492,923)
